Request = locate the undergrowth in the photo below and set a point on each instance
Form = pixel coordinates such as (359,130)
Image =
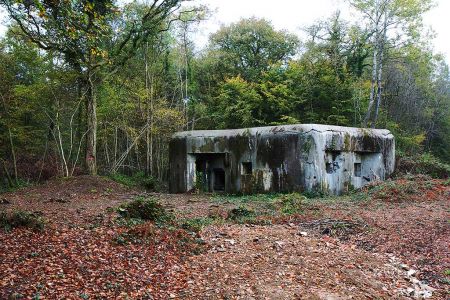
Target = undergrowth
(147,209)
(19,218)
(5,187)
(138,179)
(196,225)
(292,203)
(147,221)
(423,164)
(405,188)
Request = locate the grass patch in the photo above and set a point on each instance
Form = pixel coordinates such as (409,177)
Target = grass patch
(266,198)
(290,204)
(263,204)
(16,219)
(196,225)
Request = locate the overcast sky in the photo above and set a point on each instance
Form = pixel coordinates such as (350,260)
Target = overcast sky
(295,14)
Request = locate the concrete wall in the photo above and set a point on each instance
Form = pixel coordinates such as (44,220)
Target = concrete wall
(286,158)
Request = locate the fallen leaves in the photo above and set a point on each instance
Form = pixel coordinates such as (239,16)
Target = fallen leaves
(84,253)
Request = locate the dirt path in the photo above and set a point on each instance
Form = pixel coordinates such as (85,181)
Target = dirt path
(276,262)
(85,254)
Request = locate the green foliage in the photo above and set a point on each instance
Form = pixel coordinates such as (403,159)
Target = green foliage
(406,188)
(149,82)
(250,47)
(425,164)
(252,198)
(197,224)
(5,187)
(19,218)
(138,179)
(200,184)
(125,238)
(241,214)
(290,203)
(147,209)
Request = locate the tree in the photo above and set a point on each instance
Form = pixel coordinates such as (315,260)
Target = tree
(93,36)
(251,46)
(390,22)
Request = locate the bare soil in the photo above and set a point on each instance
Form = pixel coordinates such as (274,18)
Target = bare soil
(335,249)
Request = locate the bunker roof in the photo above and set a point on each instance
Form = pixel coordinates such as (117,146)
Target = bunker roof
(286,129)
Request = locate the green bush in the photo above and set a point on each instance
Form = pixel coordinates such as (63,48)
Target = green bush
(138,179)
(240,213)
(290,203)
(425,164)
(145,209)
(21,218)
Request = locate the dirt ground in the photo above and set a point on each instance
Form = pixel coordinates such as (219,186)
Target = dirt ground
(394,246)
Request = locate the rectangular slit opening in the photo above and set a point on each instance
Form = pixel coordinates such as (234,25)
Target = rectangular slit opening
(247,168)
(357,169)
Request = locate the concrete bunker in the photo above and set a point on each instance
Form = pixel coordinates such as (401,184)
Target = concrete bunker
(330,159)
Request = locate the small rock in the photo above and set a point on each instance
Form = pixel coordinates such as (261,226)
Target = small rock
(4,201)
(410,291)
(425,294)
(232,242)
(303,233)
(279,244)
(404,267)
(414,280)
(411,273)
(221,249)
(427,287)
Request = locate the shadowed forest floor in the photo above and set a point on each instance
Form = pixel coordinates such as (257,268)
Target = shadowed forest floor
(366,245)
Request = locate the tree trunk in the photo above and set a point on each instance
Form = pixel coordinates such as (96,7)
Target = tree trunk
(8,177)
(380,72)
(372,83)
(374,65)
(91,140)
(13,153)
(11,143)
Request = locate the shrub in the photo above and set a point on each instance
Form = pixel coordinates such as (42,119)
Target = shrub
(290,203)
(21,219)
(425,164)
(138,179)
(241,213)
(406,188)
(145,209)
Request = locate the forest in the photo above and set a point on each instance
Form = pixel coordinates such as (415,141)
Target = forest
(93,92)
(98,87)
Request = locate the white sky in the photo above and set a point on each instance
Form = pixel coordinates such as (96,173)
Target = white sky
(295,14)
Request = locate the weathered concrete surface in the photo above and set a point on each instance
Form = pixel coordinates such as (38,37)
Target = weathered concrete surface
(288,158)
